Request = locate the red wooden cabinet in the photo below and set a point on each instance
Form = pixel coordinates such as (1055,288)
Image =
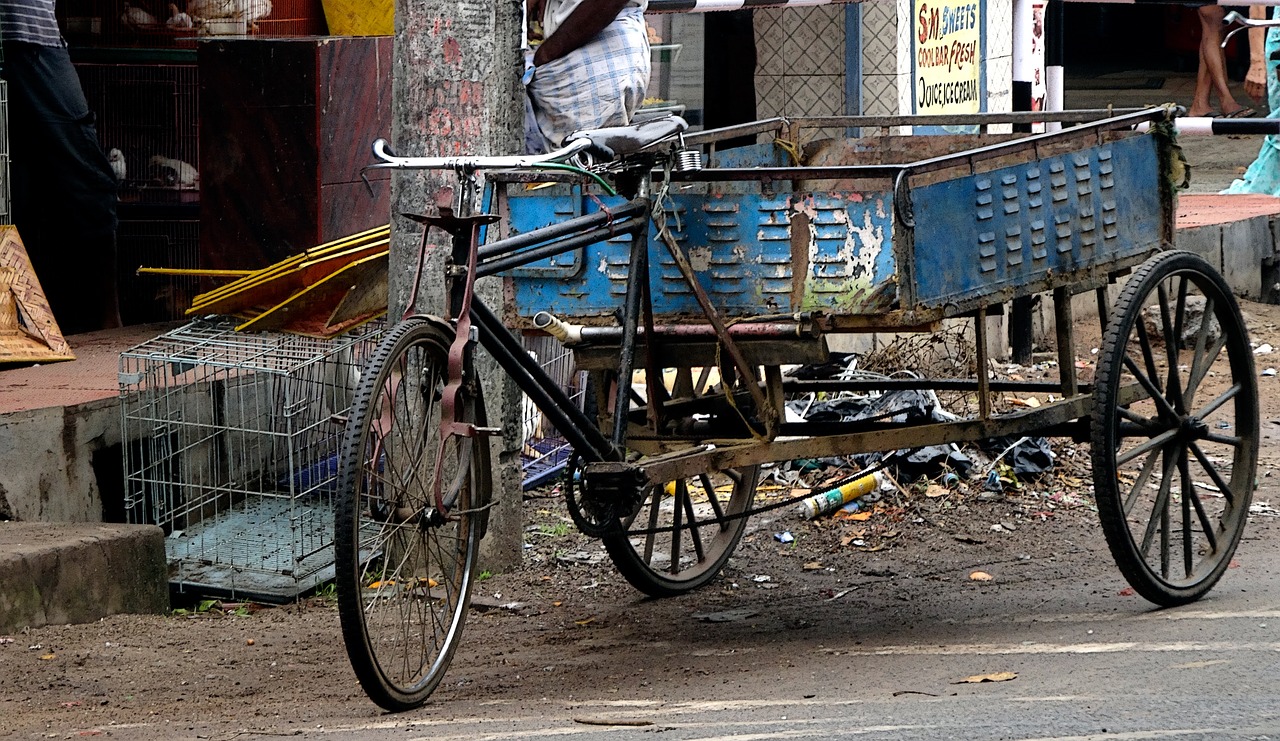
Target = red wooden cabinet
(285,126)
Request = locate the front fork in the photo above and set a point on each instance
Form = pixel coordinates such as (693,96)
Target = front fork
(464,227)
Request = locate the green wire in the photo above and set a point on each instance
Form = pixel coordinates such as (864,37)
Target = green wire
(608,189)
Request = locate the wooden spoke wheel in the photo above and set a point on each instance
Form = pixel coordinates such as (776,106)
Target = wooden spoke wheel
(1175,428)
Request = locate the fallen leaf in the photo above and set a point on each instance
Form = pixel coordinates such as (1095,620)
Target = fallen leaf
(46,657)
(993,677)
(855,516)
(981,576)
(556,604)
(588,621)
(933,491)
(812,566)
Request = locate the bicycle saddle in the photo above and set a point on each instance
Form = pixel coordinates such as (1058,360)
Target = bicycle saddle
(619,141)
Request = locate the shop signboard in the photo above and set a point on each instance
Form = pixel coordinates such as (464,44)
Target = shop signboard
(948,62)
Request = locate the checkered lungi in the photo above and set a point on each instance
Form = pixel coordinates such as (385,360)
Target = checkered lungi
(600,84)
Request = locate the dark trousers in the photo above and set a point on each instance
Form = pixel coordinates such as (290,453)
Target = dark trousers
(64,193)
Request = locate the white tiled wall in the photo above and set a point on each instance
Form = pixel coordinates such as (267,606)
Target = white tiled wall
(800,69)
(881,58)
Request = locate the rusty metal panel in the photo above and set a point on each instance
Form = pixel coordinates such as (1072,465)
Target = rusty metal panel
(753,253)
(1017,225)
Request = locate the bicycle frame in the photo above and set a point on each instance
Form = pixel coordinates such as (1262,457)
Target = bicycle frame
(469,261)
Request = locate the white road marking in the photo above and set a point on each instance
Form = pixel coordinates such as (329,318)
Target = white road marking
(1100,617)
(1051,648)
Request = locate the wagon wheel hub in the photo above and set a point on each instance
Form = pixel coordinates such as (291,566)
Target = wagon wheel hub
(1192,428)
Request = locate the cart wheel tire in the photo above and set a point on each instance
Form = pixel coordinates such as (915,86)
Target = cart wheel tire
(404,572)
(1174,429)
(684,532)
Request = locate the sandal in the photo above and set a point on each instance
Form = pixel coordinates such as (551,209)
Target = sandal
(1245,112)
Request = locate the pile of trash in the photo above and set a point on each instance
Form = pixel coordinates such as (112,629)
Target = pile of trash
(854,483)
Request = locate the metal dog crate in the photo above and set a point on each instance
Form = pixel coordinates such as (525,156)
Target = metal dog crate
(231,445)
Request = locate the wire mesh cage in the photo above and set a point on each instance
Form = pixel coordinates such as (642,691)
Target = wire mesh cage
(292,18)
(231,444)
(546,452)
(160,24)
(157,240)
(148,124)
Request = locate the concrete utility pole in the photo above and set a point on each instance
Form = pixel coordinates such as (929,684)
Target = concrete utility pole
(456,89)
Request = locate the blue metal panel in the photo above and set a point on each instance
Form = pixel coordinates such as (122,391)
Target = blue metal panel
(849,249)
(742,249)
(977,234)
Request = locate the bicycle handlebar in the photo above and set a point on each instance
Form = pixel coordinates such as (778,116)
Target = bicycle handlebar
(1245,23)
(382,151)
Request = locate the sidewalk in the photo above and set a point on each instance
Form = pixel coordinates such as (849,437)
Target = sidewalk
(1215,160)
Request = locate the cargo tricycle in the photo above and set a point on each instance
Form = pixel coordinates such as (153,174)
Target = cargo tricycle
(689,276)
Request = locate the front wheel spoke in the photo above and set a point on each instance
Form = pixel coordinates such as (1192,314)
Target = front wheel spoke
(1209,529)
(1173,385)
(1218,401)
(1184,473)
(1148,358)
(1143,477)
(1180,310)
(1148,424)
(1223,487)
(1159,517)
(1203,358)
(1150,388)
(1231,440)
(1143,448)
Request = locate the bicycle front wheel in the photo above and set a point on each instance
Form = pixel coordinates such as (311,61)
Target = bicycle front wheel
(404,565)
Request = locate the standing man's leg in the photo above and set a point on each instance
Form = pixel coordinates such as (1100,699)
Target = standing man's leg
(65,192)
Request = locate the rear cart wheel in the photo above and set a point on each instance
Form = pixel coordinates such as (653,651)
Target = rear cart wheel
(404,565)
(1175,429)
(683,532)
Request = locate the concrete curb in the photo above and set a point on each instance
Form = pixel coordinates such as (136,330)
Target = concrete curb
(57,573)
